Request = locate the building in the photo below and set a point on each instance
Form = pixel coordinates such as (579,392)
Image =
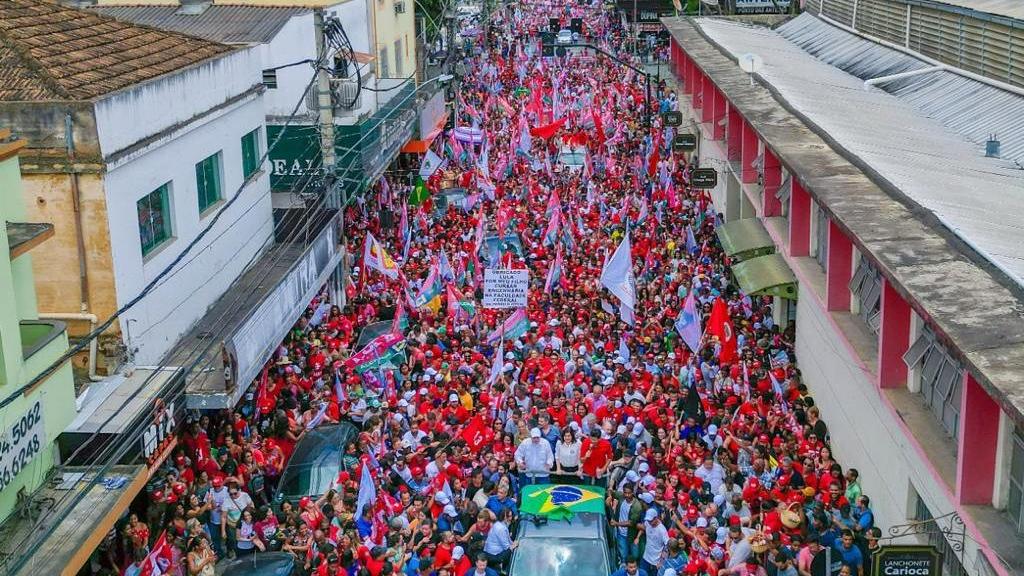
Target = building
(137,139)
(36,402)
(861,184)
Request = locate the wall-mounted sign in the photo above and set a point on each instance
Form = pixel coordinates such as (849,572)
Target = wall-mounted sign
(911,560)
(21,440)
(672,118)
(704,178)
(684,142)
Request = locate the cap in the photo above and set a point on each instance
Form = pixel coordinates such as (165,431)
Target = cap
(453,397)
(218,481)
(442,498)
(651,515)
(535,433)
(721,535)
(702,522)
(458,553)
(647,498)
(449,510)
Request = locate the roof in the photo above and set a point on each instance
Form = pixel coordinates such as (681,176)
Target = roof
(264,3)
(1007,8)
(228,24)
(50,52)
(765,275)
(934,165)
(583,525)
(965,299)
(745,238)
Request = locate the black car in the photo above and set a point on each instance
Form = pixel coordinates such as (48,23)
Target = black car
(314,466)
(261,564)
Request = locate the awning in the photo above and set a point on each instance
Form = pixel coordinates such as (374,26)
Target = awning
(422,145)
(766,275)
(62,540)
(744,239)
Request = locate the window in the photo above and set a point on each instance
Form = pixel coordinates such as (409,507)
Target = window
(785,189)
(866,286)
(154,218)
(398,58)
(270,79)
(950,558)
(384,72)
(821,237)
(1015,508)
(250,153)
(208,182)
(941,379)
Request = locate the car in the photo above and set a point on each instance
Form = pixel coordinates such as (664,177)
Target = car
(315,463)
(262,564)
(564,37)
(562,542)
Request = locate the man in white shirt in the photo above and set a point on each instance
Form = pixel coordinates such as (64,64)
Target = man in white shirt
(712,473)
(657,539)
(534,459)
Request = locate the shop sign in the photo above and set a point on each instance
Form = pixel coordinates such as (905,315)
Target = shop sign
(672,118)
(160,437)
(431,114)
(685,142)
(20,442)
(704,178)
(911,560)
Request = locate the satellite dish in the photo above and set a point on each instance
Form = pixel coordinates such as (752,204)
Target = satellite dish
(751,63)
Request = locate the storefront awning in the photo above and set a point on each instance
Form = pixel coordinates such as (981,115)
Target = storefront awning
(62,540)
(766,275)
(744,239)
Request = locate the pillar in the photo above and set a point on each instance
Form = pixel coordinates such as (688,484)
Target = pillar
(698,84)
(840,269)
(733,133)
(748,153)
(721,108)
(977,440)
(893,338)
(799,221)
(770,205)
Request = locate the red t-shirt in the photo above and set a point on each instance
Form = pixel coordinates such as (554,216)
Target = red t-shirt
(598,457)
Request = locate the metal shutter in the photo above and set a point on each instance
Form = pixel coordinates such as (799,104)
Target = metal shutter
(813,6)
(883,19)
(839,10)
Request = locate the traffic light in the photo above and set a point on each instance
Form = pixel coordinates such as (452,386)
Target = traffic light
(554,24)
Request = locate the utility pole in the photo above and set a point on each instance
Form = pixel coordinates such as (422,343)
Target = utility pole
(325,109)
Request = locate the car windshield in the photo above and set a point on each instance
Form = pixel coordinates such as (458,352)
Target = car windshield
(560,557)
(316,462)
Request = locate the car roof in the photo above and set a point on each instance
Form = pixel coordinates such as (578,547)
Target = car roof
(583,525)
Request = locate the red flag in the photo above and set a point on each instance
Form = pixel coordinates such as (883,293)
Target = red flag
(598,126)
(719,324)
(548,130)
(158,561)
(474,434)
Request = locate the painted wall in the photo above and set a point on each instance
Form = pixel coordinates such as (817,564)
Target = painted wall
(293,43)
(391,27)
(241,233)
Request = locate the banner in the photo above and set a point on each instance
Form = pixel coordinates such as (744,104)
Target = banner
(380,348)
(505,288)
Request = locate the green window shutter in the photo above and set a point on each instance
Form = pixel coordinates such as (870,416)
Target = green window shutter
(208,181)
(154,211)
(250,153)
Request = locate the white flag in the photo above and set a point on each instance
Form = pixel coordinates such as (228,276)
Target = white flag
(617,275)
(498,364)
(367,491)
(431,162)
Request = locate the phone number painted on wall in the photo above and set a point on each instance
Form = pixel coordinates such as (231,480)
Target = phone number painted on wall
(20,442)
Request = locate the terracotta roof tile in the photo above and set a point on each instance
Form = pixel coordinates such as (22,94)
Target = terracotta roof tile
(50,52)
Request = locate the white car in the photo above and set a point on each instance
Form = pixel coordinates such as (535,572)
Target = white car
(564,37)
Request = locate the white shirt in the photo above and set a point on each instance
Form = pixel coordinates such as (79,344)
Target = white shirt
(537,457)
(568,454)
(714,477)
(657,539)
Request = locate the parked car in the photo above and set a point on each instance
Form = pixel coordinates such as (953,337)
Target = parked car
(263,564)
(564,36)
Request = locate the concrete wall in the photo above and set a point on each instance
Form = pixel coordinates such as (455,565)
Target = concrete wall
(391,27)
(293,43)
(195,283)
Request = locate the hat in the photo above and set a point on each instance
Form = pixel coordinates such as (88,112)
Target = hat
(647,498)
(650,515)
(218,481)
(449,510)
(631,476)
(712,430)
(534,432)
(442,498)
(638,429)
(721,535)
(692,513)
(644,467)
(458,553)
(423,391)
(453,397)
(510,356)
(702,522)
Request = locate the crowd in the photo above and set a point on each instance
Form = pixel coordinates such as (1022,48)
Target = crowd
(712,452)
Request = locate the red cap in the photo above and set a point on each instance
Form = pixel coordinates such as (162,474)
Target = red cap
(218,481)
(343,477)
(692,512)
(304,502)
(734,520)
(179,488)
(763,438)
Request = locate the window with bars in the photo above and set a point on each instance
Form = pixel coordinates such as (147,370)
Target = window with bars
(154,211)
(866,286)
(941,379)
(208,182)
(1015,507)
(250,153)
(821,237)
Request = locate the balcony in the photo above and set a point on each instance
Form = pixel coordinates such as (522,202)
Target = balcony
(42,342)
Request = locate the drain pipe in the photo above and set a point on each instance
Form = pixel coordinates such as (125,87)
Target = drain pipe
(883,79)
(93,344)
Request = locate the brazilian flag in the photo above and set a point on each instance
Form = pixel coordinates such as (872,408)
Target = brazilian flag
(419,192)
(561,501)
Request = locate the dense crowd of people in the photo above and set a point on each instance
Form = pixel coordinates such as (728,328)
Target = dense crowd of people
(713,455)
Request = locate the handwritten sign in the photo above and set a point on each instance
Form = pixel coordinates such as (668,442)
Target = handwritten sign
(505,288)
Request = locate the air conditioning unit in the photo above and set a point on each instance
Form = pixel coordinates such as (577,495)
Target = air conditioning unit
(399,7)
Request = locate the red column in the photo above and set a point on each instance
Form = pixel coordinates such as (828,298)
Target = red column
(799,221)
(685,74)
(721,109)
(748,173)
(734,133)
(840,269)
(708,100)
(772,180)
(893,338)
(979,433)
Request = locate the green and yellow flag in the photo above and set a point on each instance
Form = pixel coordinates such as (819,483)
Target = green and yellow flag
(560,501)
(419,192)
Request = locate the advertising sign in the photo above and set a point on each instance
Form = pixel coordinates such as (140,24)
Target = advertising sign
(505,288)
(704,178)
(911,560)
(21,440)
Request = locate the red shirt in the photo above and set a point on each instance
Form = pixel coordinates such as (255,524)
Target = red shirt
(597,458)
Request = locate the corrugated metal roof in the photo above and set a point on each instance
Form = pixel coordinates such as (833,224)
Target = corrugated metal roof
(228,24)
(980,199)
(969,107)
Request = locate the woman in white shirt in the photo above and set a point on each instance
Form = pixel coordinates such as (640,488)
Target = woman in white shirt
(567,453)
